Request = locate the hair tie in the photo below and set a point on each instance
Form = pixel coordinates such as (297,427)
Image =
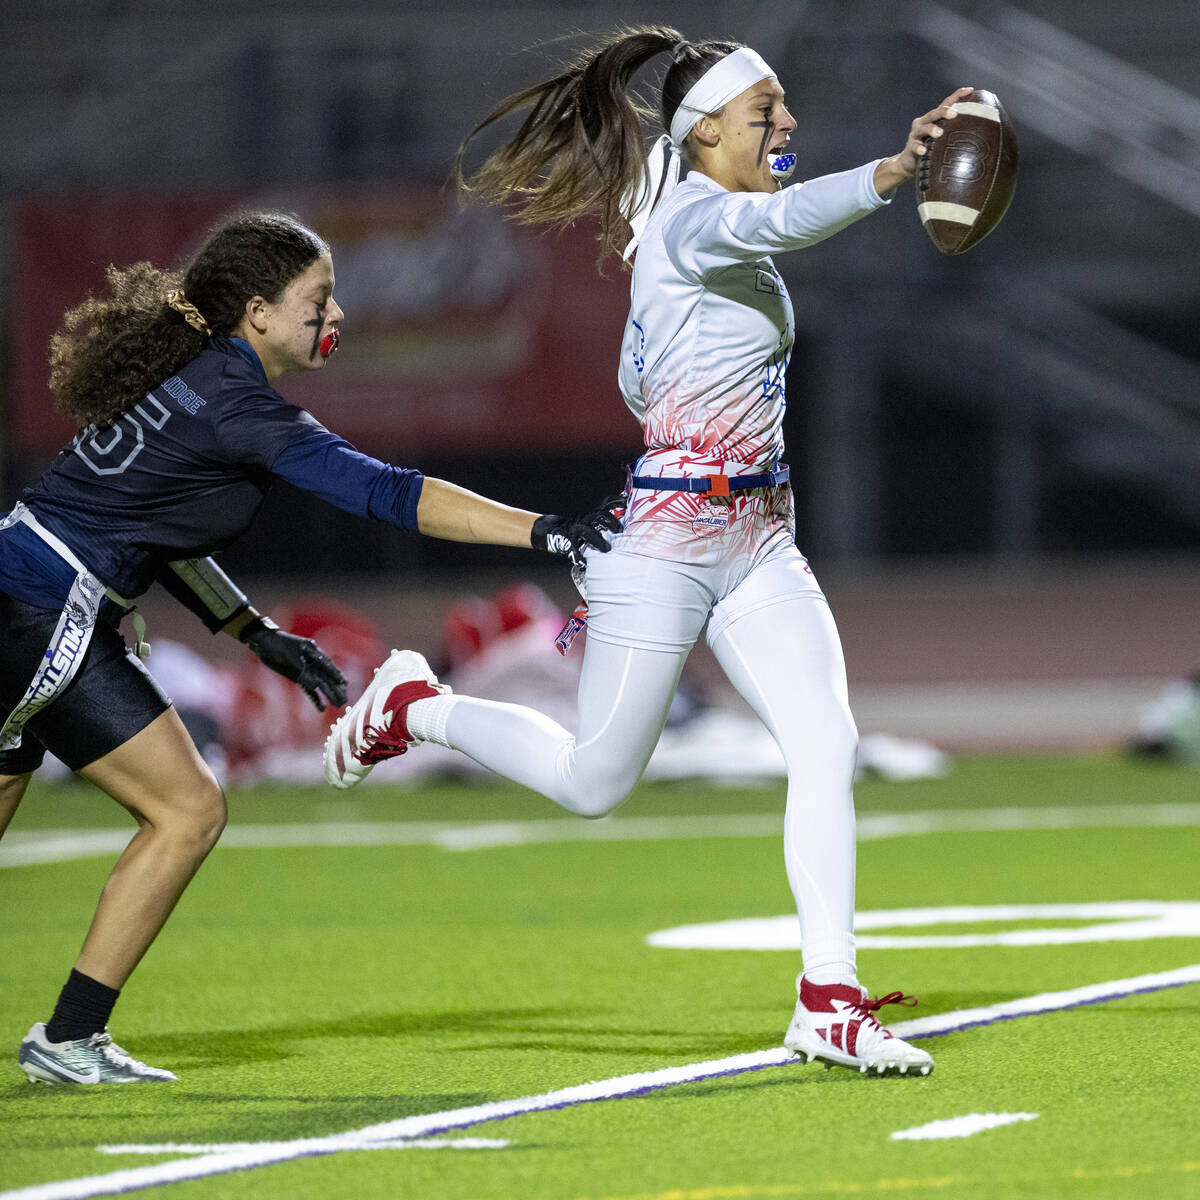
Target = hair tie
(188,311)
(677,50)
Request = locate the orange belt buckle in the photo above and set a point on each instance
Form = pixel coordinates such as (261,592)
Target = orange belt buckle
(718,485)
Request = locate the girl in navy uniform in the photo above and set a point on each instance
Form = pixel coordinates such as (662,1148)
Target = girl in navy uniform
(171,379)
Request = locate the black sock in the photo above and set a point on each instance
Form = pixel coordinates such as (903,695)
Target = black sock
(83,1008)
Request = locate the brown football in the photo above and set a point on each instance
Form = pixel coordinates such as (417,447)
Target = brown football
(966,180)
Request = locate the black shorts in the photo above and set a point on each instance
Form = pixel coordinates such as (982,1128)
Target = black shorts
(111,698)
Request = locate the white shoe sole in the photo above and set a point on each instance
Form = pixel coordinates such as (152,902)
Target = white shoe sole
(810,1048)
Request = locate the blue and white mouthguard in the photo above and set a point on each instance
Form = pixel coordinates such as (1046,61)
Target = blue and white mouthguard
(781,165)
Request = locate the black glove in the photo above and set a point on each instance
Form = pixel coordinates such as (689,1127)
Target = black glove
(299,659)
(569,535)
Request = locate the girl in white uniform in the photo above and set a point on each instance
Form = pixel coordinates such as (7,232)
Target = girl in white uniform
(708,538)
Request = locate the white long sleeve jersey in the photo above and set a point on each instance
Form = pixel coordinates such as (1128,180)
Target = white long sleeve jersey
(710,326)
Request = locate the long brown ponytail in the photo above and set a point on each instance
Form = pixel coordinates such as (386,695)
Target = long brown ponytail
(581,149)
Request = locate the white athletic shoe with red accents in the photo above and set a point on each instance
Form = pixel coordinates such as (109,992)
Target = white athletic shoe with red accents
(375,726)
(836,1023)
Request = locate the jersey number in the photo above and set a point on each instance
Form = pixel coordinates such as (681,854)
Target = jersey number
(109,449)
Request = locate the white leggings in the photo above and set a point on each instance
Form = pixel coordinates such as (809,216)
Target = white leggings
(774,636)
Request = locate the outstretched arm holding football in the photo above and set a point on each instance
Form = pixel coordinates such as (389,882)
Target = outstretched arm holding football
(894,171)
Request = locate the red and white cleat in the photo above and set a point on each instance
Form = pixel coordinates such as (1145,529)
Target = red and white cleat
(375,726)
(836,1023)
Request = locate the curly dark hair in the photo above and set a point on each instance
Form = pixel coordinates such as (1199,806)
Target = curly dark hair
(581,150)
(113,349)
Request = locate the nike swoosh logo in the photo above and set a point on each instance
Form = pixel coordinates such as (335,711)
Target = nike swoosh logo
(59,1069)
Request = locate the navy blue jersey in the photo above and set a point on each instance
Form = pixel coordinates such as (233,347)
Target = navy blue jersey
(183,473)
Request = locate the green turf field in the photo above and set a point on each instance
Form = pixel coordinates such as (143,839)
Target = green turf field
(323,988)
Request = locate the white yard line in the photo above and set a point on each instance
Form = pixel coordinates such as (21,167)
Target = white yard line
(22,848)
(960,1127)
(1118,921)
(245,1157)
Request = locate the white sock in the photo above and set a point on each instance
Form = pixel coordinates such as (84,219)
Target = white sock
(426,719)
(831,960)
(834,973)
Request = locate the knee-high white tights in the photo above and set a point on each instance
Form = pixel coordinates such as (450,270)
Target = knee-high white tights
(775,638)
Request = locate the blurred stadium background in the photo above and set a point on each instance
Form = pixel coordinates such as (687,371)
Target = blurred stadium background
(995,457)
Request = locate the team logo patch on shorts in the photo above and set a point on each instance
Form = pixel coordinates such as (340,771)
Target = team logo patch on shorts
(710,520)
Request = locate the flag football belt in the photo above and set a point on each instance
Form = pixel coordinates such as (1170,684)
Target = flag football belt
(703,485)
(72,635)
(714,485)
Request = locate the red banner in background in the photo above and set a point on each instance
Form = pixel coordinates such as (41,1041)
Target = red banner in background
(463,331)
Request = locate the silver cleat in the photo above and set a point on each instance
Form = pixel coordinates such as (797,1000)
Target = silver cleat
(95,1059)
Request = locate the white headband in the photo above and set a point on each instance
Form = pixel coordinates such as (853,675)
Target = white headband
(727,77)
